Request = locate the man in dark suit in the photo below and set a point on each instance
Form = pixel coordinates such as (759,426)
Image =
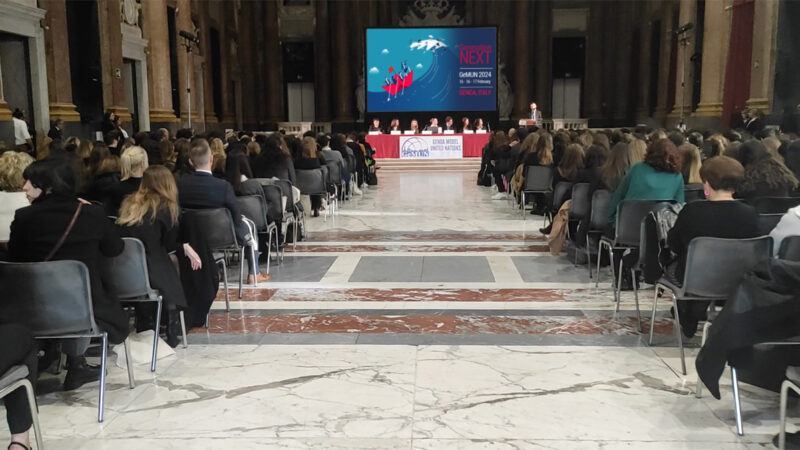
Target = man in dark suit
(536,115)
(56,130)
(201,190)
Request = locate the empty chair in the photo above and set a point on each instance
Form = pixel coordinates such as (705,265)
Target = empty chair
(538,180)
(54,301)
(598,221)
(217,226)
(128,278)
(254,208)
(775,205)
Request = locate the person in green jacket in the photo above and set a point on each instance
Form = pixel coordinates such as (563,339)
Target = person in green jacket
(657,178)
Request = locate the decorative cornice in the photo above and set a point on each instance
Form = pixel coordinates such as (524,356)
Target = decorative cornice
(64,111)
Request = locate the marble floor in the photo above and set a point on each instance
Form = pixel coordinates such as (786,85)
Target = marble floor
(423,316)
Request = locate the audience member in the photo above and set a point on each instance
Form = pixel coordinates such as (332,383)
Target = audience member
(84,233)
(151,215)
(200,190)
(394,125)
(56,130)
(690,163)
(18,348)
(274,161)
(309,160)
(376,125)
(764,176)
(789,225)
(22,137)
(12,198)
(620,159)
(720,217)
(465,125)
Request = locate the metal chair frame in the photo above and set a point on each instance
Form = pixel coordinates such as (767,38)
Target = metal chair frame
(538,180)
(13,379)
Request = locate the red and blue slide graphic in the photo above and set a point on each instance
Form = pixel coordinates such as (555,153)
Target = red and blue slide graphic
(431,69)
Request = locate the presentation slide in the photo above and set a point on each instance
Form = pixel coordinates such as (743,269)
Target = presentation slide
(431,69)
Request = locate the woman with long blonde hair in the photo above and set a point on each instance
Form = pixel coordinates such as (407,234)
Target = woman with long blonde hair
(622,157)
(690,163)
(151,215)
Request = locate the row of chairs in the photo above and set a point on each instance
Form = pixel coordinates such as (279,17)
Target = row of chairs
(54,301)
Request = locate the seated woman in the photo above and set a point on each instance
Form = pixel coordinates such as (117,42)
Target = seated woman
(151,215)
(99,187)
(764,175)
(308,160)
(657,178)
(789,225)
(18,348)
(567,171)
(133,163)
(12,164)
(721,217)
(57,216)
(275,161)
(237,169)
(479,124)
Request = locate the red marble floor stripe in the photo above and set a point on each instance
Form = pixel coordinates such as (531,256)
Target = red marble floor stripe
(418,248)
(366,236)
(237,323)
(409,295)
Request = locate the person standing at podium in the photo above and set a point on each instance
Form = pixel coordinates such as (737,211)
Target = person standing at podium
(536,115)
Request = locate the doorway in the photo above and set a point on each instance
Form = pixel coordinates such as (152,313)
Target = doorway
(569,66)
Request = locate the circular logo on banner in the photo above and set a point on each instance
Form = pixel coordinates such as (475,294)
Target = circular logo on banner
(414,147)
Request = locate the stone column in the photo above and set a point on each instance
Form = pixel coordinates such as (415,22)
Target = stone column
(274,73)
(247,63)
(665,63)
(343,94)
(5,112)
(716,34)
(624,58)
(522,64)
(111,58)
(683,91)
(227,40)
(155,30)
(205,48)
(643,106)
(183,22)
(322,75)
(762,72)
(543,39)
(593,95)
(56,45)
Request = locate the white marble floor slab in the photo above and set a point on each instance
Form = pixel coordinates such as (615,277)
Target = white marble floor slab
(404,397)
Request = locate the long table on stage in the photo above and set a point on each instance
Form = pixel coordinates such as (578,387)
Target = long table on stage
(388,145)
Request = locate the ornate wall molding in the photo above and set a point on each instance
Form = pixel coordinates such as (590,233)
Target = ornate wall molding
(424,13)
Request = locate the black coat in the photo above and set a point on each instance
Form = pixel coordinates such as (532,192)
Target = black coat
(118,192)
(160,237)
(36,230)
(99,189)
(54,134)
(765,307)
(307,164)
(200,190)
(269,166)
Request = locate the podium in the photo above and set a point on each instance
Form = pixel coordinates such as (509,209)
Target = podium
(527,122)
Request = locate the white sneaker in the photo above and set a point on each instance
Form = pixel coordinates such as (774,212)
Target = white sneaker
(500,196)
(357,191)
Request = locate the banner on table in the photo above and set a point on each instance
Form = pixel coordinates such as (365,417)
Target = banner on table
(431,147)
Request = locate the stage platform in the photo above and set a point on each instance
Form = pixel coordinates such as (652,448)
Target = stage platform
(428,146)
(428,165)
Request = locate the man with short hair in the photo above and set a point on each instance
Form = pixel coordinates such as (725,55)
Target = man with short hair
(55,130)
(22,137)
(112,141)
(448,124)
(163,135)
(536,115)
(433,126)
(201,190)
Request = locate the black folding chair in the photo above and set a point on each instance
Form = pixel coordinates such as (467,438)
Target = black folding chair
(312,182)
(693,192)
(54,300)
(254,208)
(562,190)
(598,222)
(127,276)
(790,249)
(579,209)
(538,180)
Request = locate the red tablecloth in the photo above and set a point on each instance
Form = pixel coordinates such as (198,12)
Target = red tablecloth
(388,145)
